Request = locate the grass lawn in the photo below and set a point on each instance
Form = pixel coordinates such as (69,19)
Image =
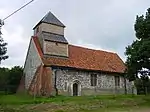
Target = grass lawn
(107,103)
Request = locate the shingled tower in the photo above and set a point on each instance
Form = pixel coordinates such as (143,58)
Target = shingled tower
(50,32)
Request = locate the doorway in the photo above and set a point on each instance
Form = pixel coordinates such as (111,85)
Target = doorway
(75,89)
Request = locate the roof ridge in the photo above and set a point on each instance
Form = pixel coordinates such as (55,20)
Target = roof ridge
(81,58)
(50,18)
(44,16)
(93,49)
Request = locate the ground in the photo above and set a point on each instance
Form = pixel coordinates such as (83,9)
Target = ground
(107,103)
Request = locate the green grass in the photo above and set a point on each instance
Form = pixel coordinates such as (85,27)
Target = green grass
(101,103)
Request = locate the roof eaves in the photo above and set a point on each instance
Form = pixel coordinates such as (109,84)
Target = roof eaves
(51,65)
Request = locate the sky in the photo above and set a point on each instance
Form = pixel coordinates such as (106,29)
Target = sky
(97,24)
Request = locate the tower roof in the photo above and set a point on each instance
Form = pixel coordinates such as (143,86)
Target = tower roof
(50,19)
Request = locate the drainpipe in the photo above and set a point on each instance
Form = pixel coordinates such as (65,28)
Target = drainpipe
(55,86)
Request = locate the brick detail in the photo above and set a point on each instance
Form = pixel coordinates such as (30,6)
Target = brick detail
(46,82)
(41,84)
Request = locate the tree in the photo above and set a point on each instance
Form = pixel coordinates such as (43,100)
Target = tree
(4,72)
(14,78)
(143,85)
(3,48)
(138,53)
(10,79)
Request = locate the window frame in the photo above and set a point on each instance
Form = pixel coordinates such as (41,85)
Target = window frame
(37,30)
(66,86)
(93,80)
(117,81)
(56,43)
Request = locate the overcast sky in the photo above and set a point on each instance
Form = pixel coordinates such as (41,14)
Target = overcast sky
(99,24)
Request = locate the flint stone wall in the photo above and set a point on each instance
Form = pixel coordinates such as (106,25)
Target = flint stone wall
(105,82)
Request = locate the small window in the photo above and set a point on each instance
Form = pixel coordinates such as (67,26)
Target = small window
(31,62)
(56,44)
(93,79)
(37,29)
(117,81)
(65,85)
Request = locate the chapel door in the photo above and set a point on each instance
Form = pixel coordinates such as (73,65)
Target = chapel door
(75,89)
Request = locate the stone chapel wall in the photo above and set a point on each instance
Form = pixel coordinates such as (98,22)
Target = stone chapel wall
(105,83)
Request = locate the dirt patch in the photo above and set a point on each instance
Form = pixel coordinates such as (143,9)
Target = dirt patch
(143,110)
(53,107)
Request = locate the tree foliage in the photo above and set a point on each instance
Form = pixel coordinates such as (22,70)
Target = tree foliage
(3,49)
(10,78)
(143,85)
(138,53)
(4,72)
(14,77)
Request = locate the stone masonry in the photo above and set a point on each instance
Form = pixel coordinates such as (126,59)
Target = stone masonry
(32,62)
(105,82)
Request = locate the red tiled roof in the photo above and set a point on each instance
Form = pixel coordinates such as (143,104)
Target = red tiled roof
(84,58)
(38,46)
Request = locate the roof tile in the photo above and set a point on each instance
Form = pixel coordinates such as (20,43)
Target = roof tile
(84,58)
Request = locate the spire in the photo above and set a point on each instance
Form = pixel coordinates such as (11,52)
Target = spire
(50,19)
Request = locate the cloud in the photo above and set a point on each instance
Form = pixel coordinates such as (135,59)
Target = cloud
(17,47)
(92,46)
(3,13)
(106,25)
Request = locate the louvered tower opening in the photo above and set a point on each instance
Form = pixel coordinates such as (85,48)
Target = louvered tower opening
(50,33)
